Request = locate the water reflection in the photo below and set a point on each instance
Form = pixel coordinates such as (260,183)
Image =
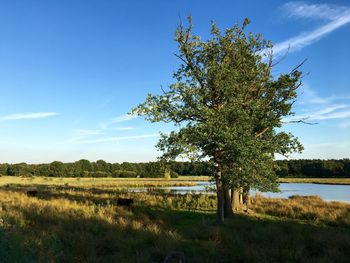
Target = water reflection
(326,192)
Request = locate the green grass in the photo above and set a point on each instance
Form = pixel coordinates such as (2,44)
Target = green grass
(96,182)
(344,181)
(80,223)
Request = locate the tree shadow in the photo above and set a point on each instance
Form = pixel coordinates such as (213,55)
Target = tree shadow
(41,235)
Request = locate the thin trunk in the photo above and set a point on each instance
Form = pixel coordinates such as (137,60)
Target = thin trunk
(220,196)
(235,200)
(248,202)
(246,198)
(240,190)
(228,212)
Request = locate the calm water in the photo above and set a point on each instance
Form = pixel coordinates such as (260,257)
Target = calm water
(325,191)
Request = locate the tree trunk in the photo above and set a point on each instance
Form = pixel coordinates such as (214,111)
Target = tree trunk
(228,212)
(240,196)
(246,198)
(220,196)
(235,203)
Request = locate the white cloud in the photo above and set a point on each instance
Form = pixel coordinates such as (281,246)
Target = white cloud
(333,115)
(123,118)
(336,16)
(118,119)
(317,108)
(127,128)
(27,116)
(120,138)
(330,109)
(104,128)
(315,11)
(83,132)
(327,113)
(309,98)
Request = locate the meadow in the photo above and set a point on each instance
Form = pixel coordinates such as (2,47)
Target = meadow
(343,181)
(75,220)
(100,182)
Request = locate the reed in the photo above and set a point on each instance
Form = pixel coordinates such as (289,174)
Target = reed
(67,223)
(95,182)
(344,181)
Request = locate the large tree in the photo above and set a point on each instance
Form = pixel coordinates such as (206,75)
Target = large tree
(226,106)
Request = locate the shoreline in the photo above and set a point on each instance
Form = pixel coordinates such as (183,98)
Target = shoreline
(329,181)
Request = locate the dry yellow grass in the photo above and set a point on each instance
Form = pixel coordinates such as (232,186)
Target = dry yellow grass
(79,223)
(95,182)
(344,181)
(307,208)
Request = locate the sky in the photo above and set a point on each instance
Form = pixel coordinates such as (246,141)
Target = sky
(70,71)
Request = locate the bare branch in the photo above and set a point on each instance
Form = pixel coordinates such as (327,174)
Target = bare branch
(282,58)
(300,121)
(299,65)
(161,87)
(262,132)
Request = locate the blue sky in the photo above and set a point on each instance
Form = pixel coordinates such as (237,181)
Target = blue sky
(71,70)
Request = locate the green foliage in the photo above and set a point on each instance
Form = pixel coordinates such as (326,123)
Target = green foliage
(227,105)
(167,174)
(124,173)
(314,168)
(284,168)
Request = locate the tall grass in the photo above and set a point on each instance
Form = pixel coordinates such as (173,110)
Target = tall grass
(311,209)
(344,181)
(95,182)
(67,223)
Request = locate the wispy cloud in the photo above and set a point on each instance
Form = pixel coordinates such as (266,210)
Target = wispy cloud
(118,119)
(326,113)
(331,115)
(330,109)
(119,138)
(309,97)
(335,16)
(127,128)
(317,108)
(301,9)
(81,135)
(84,133)
(27,116)
(123,118)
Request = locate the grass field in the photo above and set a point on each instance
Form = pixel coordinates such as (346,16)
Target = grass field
(97,182)
(80,223)
(341,181)
(316,180)
(147,182)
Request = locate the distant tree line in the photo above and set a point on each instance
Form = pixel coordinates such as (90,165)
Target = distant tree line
(314,168)
(100,168)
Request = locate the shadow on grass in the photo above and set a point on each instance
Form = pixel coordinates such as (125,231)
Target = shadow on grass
(35,236)
(100,196)
(67,237)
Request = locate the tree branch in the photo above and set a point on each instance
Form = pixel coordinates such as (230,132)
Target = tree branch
(262,132)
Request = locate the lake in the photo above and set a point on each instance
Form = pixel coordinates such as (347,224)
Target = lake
(325,191)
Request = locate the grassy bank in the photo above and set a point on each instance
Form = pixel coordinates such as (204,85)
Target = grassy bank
(344,181)
(146,182)
(81,224)
(96,182)
(341,181)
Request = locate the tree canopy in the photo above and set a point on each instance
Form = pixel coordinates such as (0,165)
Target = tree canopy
(228,107)
(285,168)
